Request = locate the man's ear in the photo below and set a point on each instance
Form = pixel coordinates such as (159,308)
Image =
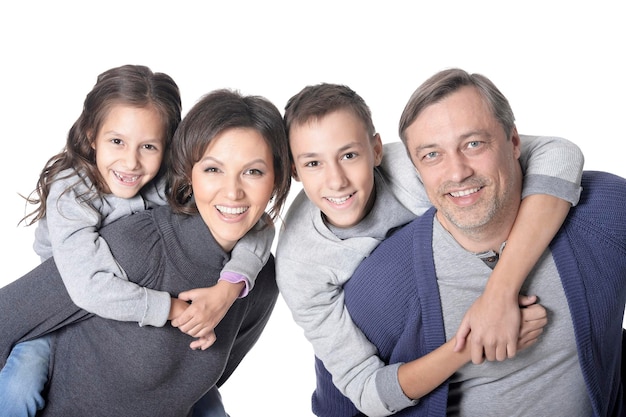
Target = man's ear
(516,141)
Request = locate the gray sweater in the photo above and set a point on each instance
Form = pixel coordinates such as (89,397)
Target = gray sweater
(313,262)
(103,367)
(93,278)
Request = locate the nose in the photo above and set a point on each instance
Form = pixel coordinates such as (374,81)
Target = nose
(335,177)
(234,189)
(459,168)
(131,159)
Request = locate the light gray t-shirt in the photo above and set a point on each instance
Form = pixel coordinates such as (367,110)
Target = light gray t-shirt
(518,386)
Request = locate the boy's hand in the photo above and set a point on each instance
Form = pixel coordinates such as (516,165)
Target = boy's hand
(208,307)
(494,320)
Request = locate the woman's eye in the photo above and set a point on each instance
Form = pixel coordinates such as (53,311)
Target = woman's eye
(254,171)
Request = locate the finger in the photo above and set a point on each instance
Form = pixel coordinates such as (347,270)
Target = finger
(186,295)
(527,300)
(204,342)
(477,353)
(208,340)
(511,350)
(533,334)
(181,320)
(461,335)
(490,350)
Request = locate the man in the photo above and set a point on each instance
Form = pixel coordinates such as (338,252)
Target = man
(409,296)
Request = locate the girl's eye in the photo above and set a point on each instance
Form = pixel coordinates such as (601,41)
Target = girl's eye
(350,155)
(312,164)
(116,141)
(150,147)
(211,169)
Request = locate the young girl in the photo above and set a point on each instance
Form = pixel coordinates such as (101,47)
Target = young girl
(113,166)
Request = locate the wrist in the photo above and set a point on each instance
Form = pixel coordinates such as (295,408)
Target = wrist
(240,281)
(234,290)
(502,287)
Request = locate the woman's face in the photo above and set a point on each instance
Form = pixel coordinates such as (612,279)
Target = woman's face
(232,183)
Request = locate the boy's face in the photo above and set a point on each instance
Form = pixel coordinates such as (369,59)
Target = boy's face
(334,158)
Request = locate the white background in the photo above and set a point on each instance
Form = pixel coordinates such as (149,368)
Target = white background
(560,63)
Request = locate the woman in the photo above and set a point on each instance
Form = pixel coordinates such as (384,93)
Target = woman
(229,157)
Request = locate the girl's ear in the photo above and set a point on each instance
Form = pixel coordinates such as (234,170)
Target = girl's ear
(294,173)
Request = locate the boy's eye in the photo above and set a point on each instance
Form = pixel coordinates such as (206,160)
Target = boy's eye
(350,155)
(430,155)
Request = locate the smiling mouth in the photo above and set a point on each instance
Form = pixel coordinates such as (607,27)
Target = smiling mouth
(231,210)
(465,193)
(339,200)
(126,178)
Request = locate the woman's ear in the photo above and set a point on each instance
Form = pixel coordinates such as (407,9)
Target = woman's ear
(91,140)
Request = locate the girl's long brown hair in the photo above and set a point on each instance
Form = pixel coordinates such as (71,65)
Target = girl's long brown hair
(132,85)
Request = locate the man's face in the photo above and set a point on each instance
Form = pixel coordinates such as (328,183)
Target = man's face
(469,167)
(334,158)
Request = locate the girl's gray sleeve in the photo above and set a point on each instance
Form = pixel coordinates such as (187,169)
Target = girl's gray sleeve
(90,273)
(551,166)
(251,252)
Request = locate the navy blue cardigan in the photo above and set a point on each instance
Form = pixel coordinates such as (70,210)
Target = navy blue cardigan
(403,318)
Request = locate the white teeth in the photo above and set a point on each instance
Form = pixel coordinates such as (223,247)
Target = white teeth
(231,210)
(339,200)
(125,178)
(464,192)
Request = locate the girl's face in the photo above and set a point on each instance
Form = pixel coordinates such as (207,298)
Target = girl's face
(129,149)
(233,183)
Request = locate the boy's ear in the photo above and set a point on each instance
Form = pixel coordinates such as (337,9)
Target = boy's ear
(378,149)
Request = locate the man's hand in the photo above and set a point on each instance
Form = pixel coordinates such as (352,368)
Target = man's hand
(534,319)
